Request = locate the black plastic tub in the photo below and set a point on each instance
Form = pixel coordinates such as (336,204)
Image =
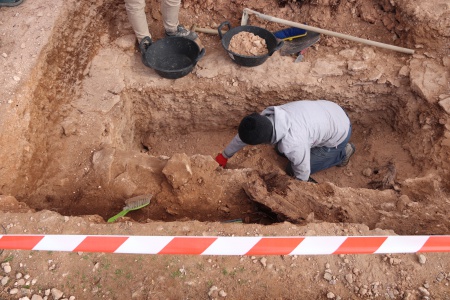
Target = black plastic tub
(171,57)
(273,44)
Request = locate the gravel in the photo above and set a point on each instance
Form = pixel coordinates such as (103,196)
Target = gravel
(23,287)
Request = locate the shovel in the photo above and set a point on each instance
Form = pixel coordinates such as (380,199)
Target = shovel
(248,11)
(298,44)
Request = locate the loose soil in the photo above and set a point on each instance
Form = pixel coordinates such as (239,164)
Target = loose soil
(247,43)
(85,126)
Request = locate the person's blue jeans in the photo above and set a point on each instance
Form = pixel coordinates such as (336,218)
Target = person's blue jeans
(323,157)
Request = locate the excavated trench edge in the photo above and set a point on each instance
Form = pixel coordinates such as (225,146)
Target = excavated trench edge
(43,92)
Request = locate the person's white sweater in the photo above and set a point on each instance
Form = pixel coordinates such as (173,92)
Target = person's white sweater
(299,126)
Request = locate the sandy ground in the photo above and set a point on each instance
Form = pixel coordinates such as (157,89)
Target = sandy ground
(85,125)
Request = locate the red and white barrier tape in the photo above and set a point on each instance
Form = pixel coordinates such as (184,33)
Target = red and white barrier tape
(218,245)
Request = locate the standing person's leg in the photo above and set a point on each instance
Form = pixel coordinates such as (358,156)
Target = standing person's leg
(323,158)
(170,10)
(138,19)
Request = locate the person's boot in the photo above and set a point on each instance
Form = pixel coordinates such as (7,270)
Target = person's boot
(183,32)
(349,151)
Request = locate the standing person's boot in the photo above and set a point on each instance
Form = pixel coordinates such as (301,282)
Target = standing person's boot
(10,3)
(183,32)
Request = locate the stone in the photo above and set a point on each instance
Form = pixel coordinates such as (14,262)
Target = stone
(374,74)
(445,104)
(331,67)
(206,163)
(69,126)
(57,294)
(424,291)
(348,53)
(356,65)
(349,278)
(327,276)
(5,280)
(7,269)
(368,53)
(440,277)
(422,259)
(178,170)
(402,202)
(102,161)
(212,290)
(363,291)
(124,184)
(388,206)
(428,79)
(263,262)
(446,61)
(395,261)
(367,172)
(404,71)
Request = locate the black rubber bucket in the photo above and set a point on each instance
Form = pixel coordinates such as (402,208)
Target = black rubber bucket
(171,57)
(273,44)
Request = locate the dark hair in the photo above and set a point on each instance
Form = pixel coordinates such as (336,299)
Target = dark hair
(255,129)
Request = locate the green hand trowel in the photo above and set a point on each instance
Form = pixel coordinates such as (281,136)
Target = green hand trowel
(134,203)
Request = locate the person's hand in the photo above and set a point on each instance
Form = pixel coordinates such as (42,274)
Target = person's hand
(221,160)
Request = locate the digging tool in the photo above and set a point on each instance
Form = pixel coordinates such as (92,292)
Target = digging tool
(296,40)
(248,11)
(134,203)
(204,30)
(289,34)
(300,44)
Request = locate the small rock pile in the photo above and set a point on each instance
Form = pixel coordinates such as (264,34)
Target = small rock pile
(23,287)
(349,277)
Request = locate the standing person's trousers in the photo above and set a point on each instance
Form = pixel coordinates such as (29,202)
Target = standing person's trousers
(136,16)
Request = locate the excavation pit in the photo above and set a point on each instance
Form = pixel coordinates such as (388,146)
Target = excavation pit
(85,125)
(103,128)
